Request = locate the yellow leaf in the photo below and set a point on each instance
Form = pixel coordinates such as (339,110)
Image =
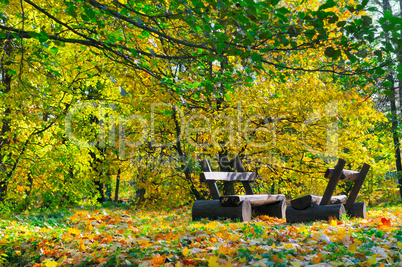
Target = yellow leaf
(352,248)
(212,261)
(82,247)
(74,231)
(63,258)
(295,264)
(50,263)
(372,260)
(186,252)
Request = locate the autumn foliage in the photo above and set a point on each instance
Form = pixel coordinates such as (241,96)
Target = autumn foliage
(93,100)
(111,237)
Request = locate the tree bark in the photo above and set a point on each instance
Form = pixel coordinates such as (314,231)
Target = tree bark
(394,119)
(358,210)
(277,209)
(314,213)
(116,192)
(6,124)
(212,209)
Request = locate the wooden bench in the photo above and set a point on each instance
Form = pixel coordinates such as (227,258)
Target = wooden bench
(311,208)
(235,206)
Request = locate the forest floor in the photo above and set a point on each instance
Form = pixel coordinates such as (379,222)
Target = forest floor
(118,236)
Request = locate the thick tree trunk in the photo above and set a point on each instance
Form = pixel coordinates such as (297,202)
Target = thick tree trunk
(213,210)
(358,210)
(277,209)
(314,213)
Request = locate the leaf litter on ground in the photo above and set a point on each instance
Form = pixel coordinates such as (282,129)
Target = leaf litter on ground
(123,237)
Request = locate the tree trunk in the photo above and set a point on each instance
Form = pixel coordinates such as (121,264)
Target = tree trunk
(5,128)
(394,119)
(398,157)
(185,168)
(116,192)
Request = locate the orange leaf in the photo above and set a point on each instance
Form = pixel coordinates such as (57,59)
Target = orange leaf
(386,222)
(158,260)
(109,238)
(318,259)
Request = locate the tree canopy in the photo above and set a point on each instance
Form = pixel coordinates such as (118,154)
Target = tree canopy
(94,92)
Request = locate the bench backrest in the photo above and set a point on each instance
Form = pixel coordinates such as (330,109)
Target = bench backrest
(210,177)
(339,174)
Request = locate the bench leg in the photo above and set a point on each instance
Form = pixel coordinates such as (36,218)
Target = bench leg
(212,209)
(277,209)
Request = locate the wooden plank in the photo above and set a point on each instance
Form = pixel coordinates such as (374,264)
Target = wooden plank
(228,176)
(314,213)
(212,209)
(356,188)
(347,175)
(277,209)
(333,182)
(304,202)
(255,200)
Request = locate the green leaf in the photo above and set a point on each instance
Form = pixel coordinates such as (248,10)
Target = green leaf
(329,51)
(284,41)
(387,84)
(367,20)
(54,50)
(388,93)
(341,24)
(333,19)
(328,4)
(89,12)
(388,14)
(12,72)
(43,37)
(256,57)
